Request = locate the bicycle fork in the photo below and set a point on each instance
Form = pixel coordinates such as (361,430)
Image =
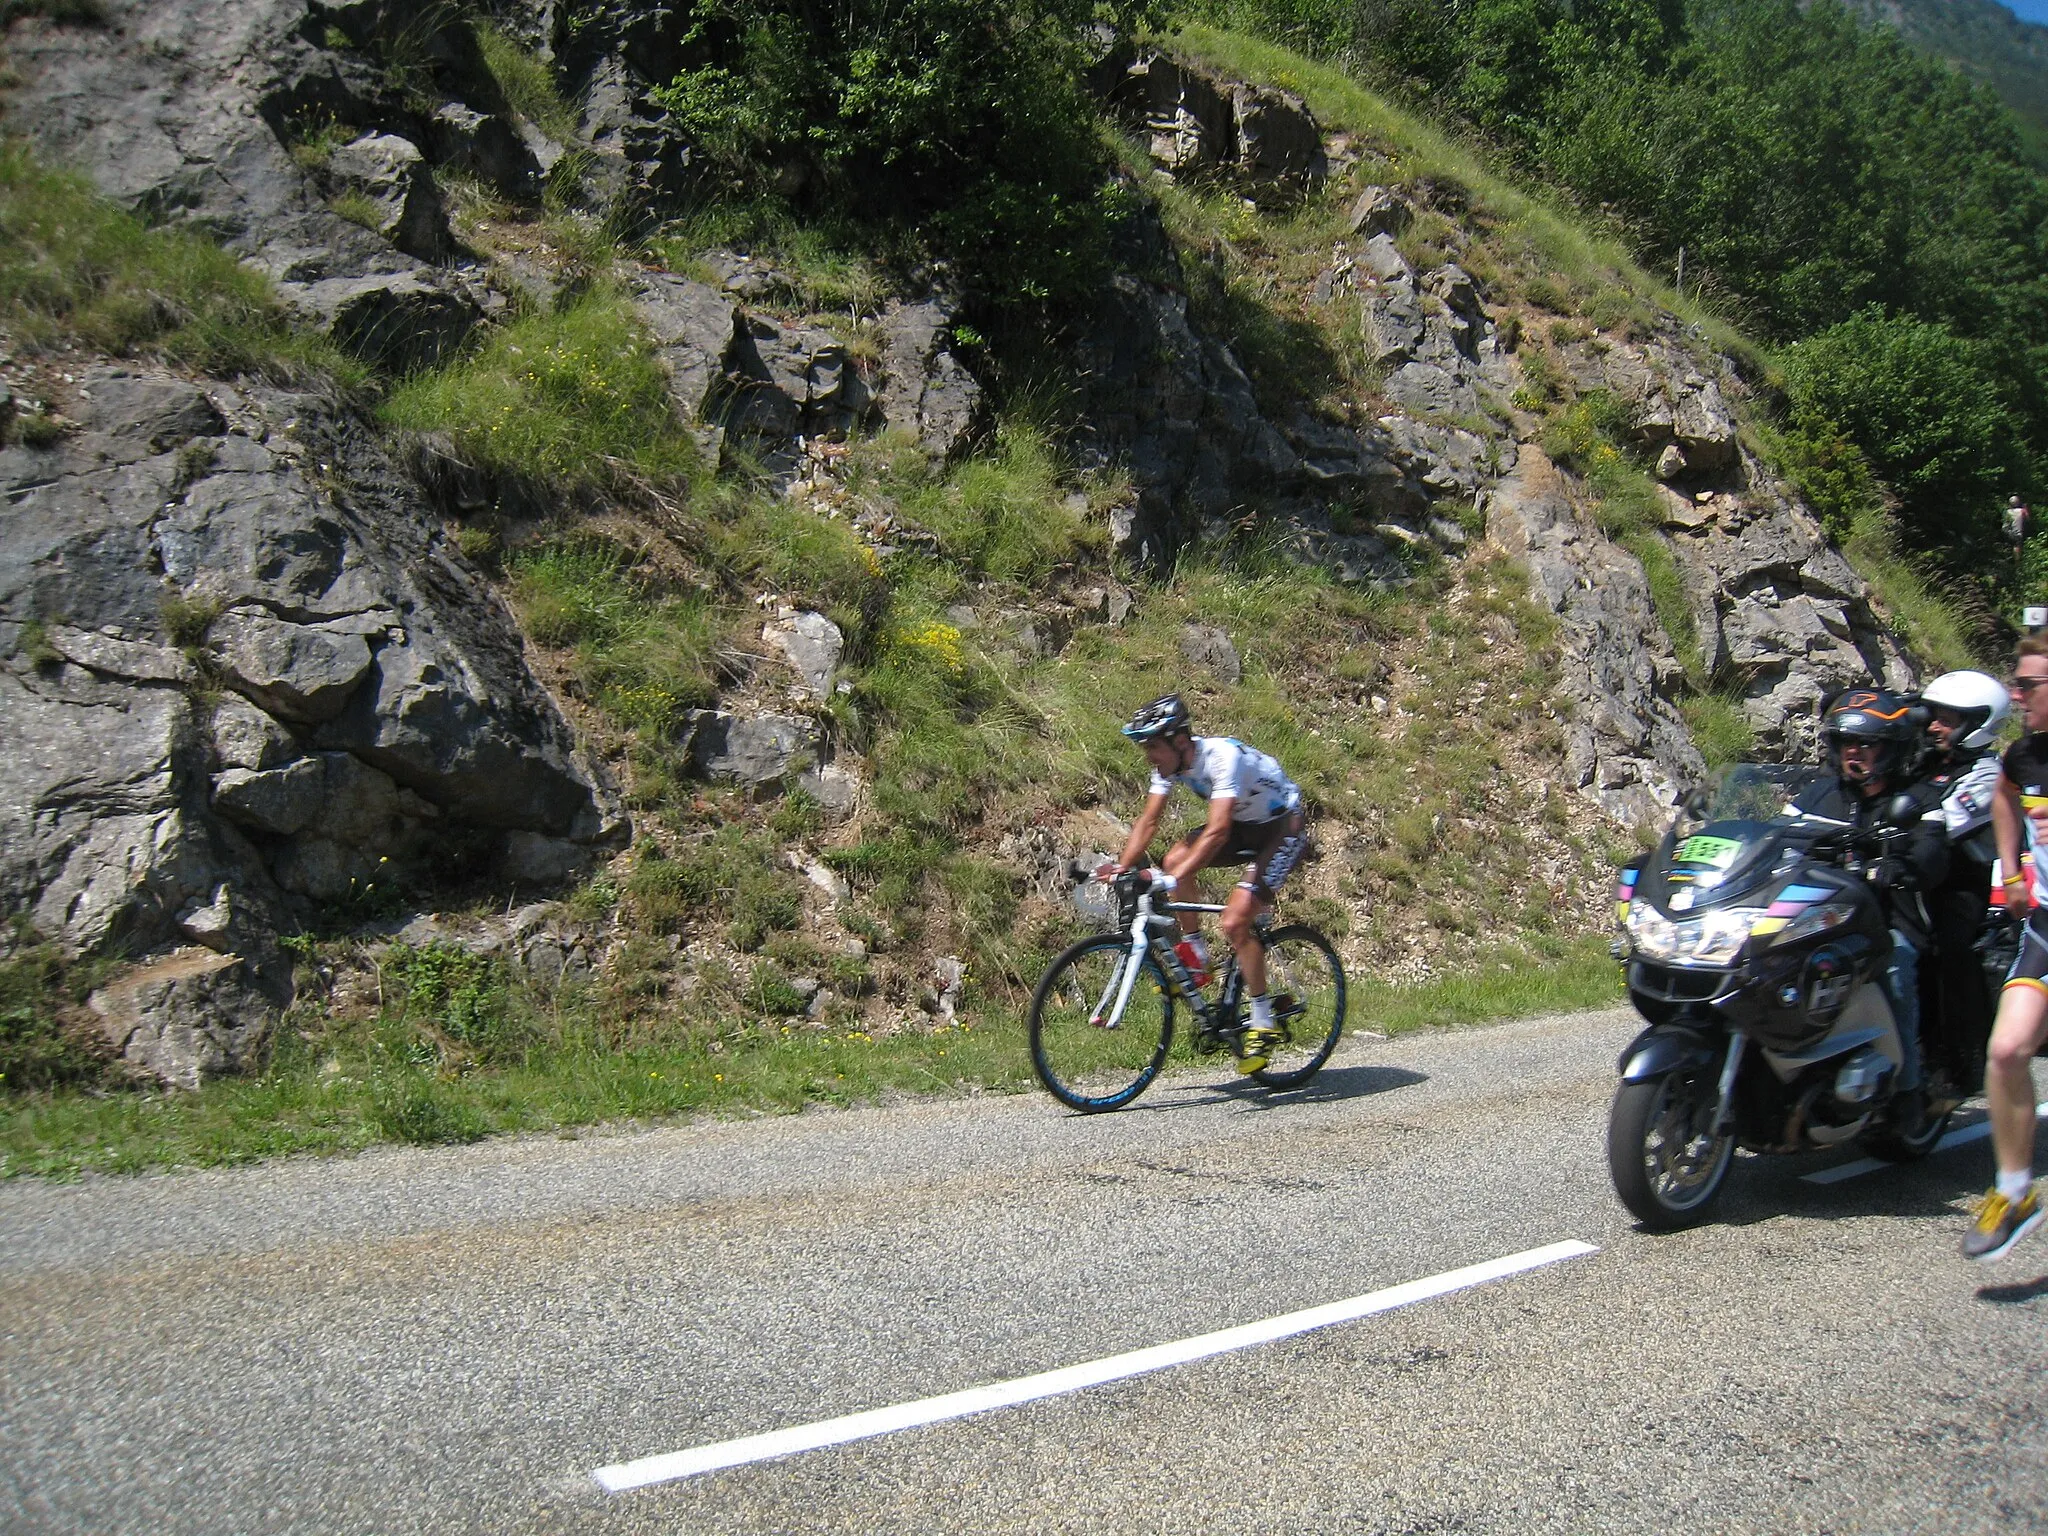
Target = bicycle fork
(1108,1015)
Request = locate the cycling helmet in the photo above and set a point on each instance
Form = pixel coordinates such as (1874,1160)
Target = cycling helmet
(1982,701)
(1894,723)
(1162,717)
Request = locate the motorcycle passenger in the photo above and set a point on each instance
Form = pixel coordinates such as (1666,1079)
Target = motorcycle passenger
(1873,738)
(2012,1209)
(1966,710)
(1255,818)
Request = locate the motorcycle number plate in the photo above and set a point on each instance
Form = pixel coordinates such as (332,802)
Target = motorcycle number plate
(1715,852)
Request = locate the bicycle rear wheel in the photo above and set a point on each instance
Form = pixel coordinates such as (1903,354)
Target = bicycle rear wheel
(1306,982)
(1089,1065)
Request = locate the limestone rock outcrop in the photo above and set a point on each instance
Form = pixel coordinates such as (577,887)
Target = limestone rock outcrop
(261,678)
(213,116)
(756,384)
(1195,123)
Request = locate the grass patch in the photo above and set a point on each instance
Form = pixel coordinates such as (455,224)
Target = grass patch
(573,399)
(1531,224)
(1003,514)
(74,268)
(528,83)
(1932,627)
(645,649)
(817,266)
(1507,984)
(1719,728)
(377,1082)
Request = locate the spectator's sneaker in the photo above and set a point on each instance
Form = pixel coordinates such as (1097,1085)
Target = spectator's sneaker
(1255,1049)
(2000,1223)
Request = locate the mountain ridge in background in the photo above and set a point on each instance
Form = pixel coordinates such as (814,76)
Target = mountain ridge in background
(1987,42)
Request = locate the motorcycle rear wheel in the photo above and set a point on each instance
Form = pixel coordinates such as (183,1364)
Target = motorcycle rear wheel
(1667,1166)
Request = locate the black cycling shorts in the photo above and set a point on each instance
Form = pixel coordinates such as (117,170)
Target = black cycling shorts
(2030,965)
(1272,848)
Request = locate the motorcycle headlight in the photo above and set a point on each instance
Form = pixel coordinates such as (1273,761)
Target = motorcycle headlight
(1712,938)
(1821,919)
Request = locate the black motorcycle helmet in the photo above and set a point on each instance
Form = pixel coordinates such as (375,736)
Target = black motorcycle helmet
(1895,724)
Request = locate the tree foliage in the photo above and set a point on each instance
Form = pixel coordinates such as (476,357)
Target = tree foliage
(1817,172)
(1927,415)
(964,121)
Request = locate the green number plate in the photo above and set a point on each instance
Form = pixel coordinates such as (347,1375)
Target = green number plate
(1717,851)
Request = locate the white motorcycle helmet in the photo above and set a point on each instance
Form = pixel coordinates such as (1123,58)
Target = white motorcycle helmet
(1981,700)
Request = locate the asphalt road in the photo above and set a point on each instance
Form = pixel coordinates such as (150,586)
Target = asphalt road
(454,1340)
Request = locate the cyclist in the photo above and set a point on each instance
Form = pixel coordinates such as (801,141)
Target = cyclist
(1255,818)
(2012,1209)
(1967,709)
(1874,739)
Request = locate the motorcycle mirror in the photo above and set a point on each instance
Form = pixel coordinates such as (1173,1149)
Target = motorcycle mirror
(1902,810)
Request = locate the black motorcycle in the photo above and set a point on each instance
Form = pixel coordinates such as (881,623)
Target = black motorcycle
(1756,951)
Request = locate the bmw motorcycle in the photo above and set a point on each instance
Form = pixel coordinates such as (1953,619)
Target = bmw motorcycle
(1756,951)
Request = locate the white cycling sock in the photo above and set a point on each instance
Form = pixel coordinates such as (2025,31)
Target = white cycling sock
(1262,1013)
(2014,1186)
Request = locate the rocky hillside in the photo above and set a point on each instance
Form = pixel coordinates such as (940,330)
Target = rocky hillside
(659,607)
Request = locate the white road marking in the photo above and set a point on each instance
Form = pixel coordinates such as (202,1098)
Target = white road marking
(1960,1136)
(1024,1389)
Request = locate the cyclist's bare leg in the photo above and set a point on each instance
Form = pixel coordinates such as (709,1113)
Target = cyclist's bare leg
(2009,1075)
(1239,913)
(1180,863)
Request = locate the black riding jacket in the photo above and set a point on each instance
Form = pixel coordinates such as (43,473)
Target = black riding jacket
(1918,861)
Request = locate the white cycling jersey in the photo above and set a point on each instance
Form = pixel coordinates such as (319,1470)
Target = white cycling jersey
(1225,768)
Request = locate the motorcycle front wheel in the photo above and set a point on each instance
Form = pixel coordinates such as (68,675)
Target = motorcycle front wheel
(1666,1163)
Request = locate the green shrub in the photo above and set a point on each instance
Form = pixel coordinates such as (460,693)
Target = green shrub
(968,127)
(1926,411)
(574,399)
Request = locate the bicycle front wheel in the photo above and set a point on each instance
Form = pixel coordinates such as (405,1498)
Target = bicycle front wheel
(1306,982)
(1088,1060)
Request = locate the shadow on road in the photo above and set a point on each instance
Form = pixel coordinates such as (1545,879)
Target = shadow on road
(2014,1295)
(1328,1086)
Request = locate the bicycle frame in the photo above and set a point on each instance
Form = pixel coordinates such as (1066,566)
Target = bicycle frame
(1144,940)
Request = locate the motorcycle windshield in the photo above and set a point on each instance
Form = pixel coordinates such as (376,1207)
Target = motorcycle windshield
(1727,834)
(1754,792)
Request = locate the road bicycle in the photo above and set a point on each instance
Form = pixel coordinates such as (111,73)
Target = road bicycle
(1102,1016)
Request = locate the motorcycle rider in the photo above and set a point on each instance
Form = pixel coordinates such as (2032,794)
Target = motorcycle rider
(1255,818)
(1966,711)
(1873,739)
(2012,1209)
